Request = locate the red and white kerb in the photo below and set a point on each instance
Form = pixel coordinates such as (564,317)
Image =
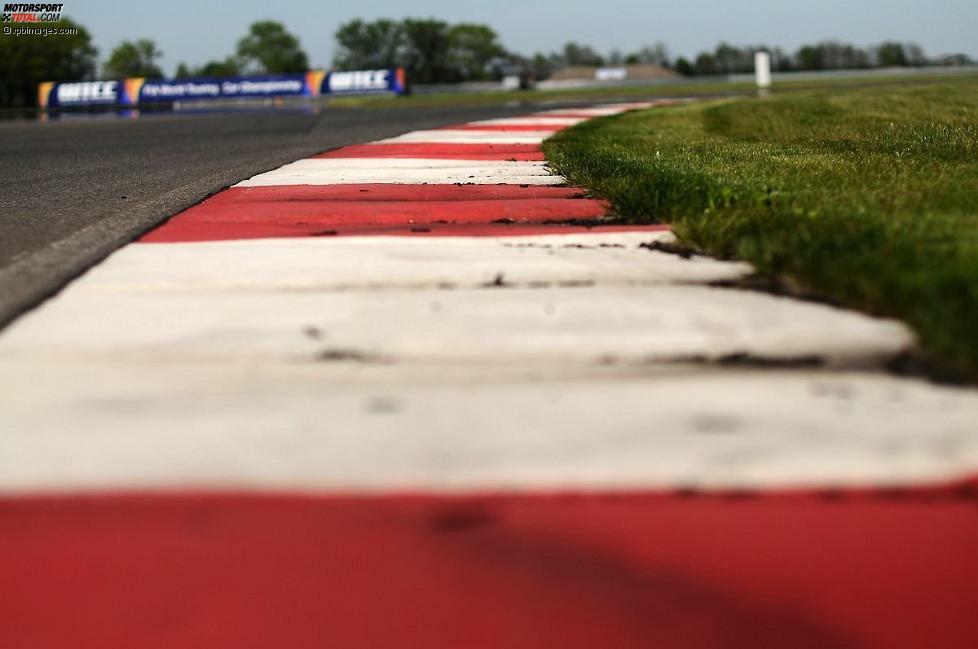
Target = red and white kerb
(422,393)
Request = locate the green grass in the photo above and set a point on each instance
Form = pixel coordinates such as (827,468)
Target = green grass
(867,197)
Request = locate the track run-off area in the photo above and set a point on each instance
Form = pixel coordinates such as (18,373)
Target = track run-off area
(420,392)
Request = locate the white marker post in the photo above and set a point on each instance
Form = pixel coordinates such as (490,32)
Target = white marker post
(762,69)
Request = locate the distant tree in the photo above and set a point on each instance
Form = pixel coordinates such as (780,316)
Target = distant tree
(657,54)
(25,61)
(542,66)
(915,55)
(365,45)
(809,58)
(578,54)
(731,59)
(684,67)
(616,58)
(781,61)
(229,67)
(706,64)
(133,59)
(472,49)
(841,56)
(431,50)
(726,57)
(269,48)
(426,51)
(891,54)
(831,55)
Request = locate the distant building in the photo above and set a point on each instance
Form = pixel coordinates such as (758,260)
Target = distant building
(954,59)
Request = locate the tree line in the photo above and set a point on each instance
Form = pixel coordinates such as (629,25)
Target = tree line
(733,59)
(434,51)
(431,50)
(825,55)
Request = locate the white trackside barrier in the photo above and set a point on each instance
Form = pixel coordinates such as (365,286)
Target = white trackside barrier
(762,69)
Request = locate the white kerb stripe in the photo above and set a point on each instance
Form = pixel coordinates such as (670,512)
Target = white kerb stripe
(315,171)
(589,112)
(347,427)
(565,326)
(359,164)
(316,263)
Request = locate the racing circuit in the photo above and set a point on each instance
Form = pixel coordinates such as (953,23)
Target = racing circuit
(383,377)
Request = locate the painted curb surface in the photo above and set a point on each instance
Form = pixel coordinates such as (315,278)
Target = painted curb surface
(420,392)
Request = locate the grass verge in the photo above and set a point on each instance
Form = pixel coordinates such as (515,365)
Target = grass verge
(867,197)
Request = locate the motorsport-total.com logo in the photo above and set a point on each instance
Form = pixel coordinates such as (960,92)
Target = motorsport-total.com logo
(31,12)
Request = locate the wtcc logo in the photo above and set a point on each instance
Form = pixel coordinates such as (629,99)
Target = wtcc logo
(32,13)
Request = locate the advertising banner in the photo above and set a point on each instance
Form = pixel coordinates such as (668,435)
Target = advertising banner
(365,81)
(136,91)
(141,91)
(81,93)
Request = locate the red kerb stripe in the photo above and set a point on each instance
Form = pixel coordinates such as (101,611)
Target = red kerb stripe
(449,210)
(645,570)
(186,233)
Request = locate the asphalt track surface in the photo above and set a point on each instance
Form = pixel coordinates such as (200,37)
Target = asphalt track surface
(72,191)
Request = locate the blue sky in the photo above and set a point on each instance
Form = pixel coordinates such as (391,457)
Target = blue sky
(197,31)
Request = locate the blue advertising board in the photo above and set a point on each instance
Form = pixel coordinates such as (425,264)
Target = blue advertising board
(136,91)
